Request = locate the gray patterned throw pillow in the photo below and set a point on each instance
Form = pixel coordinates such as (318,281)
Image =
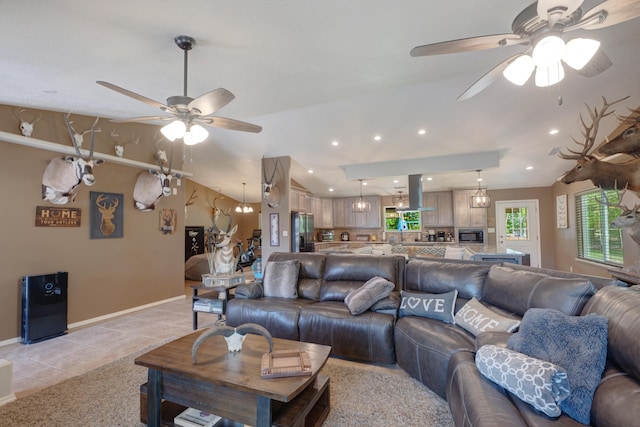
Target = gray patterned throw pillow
(537,382)
(360,300)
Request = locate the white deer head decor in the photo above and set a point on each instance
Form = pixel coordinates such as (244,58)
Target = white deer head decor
(79,136)
(26,128)
(118,146)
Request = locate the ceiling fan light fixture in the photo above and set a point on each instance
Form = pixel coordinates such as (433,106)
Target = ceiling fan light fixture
(548,51)
(519,71)
(579,52)
(195,135)
(549,76)
(174,130)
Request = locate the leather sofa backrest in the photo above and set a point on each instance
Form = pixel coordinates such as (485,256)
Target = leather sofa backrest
(622,307)
(312,265)
(346,272)
(598,282)
(437,277)
(518,290)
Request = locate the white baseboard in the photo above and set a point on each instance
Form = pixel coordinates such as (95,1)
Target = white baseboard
(105,317)
(7,399)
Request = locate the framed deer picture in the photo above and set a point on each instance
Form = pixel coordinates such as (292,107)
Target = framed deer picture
(106,215)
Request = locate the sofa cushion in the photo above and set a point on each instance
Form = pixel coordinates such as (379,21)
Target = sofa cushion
(345,273)
(577,343)
(518,290)
(281,279)
(476,318)
(311,271)
(537,382)
(433,306)
(440,276)
(360,300)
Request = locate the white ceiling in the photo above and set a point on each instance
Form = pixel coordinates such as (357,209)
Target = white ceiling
(310,72)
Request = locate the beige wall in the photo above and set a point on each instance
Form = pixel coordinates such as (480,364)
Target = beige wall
(546,204)
(105,275)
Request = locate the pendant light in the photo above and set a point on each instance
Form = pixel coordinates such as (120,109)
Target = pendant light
(480,199)
(244,208)
(399,202)
(360,205)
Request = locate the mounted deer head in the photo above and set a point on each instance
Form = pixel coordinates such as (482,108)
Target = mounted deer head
(26,128)
(628,142)
(79,136)
(223,258)
(608,176)
(118,147)
(63,175)
(107,227)
(629,219)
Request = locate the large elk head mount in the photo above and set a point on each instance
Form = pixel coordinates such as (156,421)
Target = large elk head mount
(602,173)
(63,175)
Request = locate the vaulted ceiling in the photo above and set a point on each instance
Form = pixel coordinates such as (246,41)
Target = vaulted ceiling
(314,72)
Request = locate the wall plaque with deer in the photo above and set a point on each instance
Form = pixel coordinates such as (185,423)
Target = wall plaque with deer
(106,215)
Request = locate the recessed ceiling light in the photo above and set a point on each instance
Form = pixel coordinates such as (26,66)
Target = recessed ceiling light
(478,179)
(529,168)
(334,143)
(364,183)
(429,178)
(395,181)
(377,137)
(331,189)
(422,132)
(310,171)
(553,131)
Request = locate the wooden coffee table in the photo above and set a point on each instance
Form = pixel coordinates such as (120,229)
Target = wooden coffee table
(229,384)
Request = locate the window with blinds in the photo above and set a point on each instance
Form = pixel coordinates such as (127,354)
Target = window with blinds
(597,240)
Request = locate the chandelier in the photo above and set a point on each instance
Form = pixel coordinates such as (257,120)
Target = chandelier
(360,205)
(399,201)
(244,208)
(480,199)
(546,59)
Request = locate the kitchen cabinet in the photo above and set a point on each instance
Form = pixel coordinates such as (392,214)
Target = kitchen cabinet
(294,202)
(463,214)
(299,201)
(345,217)
(442,216)
(327,213)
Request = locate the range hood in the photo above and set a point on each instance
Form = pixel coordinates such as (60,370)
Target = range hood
(415,195)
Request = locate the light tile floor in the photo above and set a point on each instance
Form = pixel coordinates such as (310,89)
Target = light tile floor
(42,364)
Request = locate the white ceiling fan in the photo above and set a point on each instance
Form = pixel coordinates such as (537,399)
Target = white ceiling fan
(540,26)
(188,114)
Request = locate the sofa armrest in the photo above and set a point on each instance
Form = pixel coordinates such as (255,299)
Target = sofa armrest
(251,290)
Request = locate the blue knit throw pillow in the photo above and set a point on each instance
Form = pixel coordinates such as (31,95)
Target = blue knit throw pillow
(576,343)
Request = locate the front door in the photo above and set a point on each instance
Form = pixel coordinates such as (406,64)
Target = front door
(518,228)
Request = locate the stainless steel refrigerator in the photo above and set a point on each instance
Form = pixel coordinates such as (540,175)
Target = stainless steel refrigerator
(302,232)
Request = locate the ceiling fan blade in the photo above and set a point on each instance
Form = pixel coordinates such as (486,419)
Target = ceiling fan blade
(212,101)
(132,94)
(141,119)
(487,79)
(225,123)
(469,44)
(599,63)
(617,11)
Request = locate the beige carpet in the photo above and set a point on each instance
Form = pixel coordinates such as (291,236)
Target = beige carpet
(361,395)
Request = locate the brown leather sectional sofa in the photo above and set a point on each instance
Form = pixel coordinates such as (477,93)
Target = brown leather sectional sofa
(441,355)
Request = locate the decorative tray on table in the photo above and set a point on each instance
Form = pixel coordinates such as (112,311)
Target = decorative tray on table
(285,363)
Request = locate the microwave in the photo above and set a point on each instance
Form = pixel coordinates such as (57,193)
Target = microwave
(470,236)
